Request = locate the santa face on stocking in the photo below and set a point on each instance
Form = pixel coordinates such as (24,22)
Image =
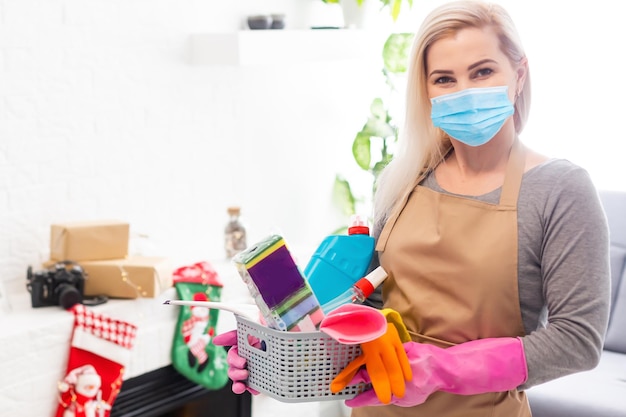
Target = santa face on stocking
(80,392)
(88,385)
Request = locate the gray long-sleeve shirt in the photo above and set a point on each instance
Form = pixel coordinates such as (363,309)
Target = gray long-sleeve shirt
(563,269)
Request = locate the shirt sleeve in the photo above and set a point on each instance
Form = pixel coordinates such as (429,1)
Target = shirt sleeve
(575,279)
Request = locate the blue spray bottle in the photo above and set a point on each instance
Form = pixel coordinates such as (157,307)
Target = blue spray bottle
(340,261)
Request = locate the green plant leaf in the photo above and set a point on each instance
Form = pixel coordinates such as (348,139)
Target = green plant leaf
(377,108)
(396,52)
(378,166)
(378,128)
(343,197)
(361,149)
(395,9)
(378,123)
(395,6)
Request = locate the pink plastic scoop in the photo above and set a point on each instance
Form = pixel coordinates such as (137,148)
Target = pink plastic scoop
(351,324)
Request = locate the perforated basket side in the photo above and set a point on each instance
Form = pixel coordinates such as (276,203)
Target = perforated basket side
(294,366)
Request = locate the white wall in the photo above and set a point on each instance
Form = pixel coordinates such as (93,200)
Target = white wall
(102,116)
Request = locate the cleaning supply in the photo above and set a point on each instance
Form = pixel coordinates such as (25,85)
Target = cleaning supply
(393,317)
(388,375)
(274,281)
(474,367)
(340,261)
(357,293)
(386,363)
(352,324)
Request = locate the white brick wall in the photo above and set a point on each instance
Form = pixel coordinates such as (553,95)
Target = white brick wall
(102,116)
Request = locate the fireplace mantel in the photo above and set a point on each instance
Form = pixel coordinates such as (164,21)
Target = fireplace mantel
(35,342)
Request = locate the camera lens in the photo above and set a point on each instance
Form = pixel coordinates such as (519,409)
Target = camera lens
(68,296)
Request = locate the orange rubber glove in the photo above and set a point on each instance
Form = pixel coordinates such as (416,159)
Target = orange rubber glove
(386,363)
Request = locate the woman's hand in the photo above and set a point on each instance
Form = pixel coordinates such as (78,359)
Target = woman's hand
(237,371)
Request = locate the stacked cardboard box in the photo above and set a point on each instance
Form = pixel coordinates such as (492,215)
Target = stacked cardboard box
(101,249)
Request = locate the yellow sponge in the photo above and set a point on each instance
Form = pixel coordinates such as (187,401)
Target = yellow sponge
(394,318)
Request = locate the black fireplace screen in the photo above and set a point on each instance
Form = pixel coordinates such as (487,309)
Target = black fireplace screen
(166,393)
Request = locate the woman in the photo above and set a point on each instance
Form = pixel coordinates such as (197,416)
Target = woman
(490,247)
(497,257)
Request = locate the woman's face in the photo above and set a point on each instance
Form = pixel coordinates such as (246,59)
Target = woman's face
(470,58)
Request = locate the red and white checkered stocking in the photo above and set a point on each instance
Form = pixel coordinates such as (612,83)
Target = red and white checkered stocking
(99,352)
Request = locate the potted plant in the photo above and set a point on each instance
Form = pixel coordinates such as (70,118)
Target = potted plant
(374,144)
(393,5)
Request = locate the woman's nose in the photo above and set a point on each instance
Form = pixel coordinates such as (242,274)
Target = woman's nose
(461,85)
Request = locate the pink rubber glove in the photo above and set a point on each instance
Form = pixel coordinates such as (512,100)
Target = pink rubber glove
(236,364)
(475,367)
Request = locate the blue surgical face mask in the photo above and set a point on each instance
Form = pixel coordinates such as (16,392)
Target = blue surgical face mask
(472,116)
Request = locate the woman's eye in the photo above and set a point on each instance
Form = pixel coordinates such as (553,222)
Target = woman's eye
(443,80)
(483,72)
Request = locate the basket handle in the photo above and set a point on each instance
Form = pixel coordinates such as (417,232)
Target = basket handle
(255,341)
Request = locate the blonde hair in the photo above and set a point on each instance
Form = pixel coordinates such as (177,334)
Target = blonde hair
(422,146)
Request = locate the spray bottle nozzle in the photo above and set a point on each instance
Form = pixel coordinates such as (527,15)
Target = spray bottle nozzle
(358,226)
(357,220)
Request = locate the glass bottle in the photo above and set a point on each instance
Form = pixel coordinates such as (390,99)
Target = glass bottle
(234,233)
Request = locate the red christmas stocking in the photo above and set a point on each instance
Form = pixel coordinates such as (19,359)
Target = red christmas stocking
(193,353)
(99,351)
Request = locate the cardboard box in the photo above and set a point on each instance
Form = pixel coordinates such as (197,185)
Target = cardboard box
(134,277)
(89,240)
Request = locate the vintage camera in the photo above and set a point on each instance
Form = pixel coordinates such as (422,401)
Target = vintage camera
(61,285)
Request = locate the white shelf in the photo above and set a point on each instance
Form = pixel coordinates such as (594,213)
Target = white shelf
(266,47)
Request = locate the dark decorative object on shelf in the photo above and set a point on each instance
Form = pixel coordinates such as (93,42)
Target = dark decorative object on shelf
(259,22)
(278,21)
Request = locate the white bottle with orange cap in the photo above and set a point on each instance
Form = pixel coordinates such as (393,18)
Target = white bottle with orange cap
(362,289)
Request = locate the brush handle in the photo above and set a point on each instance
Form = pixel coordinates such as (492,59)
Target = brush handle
(245,310)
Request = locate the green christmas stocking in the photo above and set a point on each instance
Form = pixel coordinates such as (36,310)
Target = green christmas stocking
(193,354)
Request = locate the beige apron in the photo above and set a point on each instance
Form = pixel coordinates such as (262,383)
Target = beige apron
(452,265)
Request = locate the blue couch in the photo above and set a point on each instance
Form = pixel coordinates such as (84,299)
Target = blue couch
(600,392)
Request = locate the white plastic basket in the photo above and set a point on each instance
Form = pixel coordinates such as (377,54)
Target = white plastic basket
(294,366)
